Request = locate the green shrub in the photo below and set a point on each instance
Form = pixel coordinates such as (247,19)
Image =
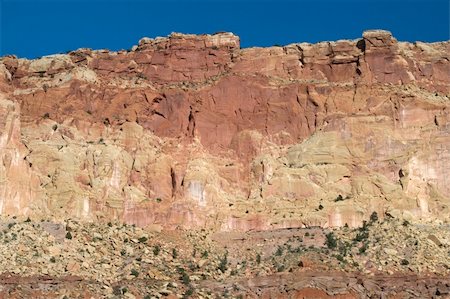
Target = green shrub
(330,241)
(68,236)
(279,251)
(174,253)
(280,268)
(184,276)
(361,236)
(258,258)
(339,257)
(134,272)
(142,239)
(188,293)
(223,265)
(156,249)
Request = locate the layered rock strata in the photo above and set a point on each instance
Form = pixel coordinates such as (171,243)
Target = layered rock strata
(192,131)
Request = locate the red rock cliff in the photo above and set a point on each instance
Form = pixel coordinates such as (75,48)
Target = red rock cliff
(192,131)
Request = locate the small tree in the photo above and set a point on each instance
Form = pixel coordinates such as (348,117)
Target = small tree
(331,241)
(223,265)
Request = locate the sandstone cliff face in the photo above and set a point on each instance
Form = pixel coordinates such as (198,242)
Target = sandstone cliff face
(192,131)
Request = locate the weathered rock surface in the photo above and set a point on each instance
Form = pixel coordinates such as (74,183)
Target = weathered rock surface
(192,131)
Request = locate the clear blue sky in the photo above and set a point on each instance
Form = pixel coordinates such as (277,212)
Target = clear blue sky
(32,28)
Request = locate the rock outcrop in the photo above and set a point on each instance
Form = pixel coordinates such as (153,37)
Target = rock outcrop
(192,131)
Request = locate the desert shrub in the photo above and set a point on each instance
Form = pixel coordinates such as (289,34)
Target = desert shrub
(330,241)
(374,217)
(223,265)
(339,257)
(280,268)
(258,258)
(279,251)
(142,239)
(184,276)
(134,272)
(361,236)
(188,293)
(174,253)
(156,249)
(363,248)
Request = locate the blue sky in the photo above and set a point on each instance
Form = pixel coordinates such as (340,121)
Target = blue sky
(33,28)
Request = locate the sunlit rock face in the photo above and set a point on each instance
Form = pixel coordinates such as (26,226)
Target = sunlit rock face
(190,131)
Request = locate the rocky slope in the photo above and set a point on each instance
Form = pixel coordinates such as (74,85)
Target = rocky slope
(193,131)
(388,259)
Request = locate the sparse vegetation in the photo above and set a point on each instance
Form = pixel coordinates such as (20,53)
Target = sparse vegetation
(404,262)
(143,239)
(331,241)
(174,253)
(258,258)
(279,251)
(373,217)
(156,249)
(223,265)
(134,272)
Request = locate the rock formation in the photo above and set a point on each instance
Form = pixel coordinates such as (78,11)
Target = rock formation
(192,131)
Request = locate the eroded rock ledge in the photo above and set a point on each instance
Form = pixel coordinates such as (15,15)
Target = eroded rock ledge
(193,131)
